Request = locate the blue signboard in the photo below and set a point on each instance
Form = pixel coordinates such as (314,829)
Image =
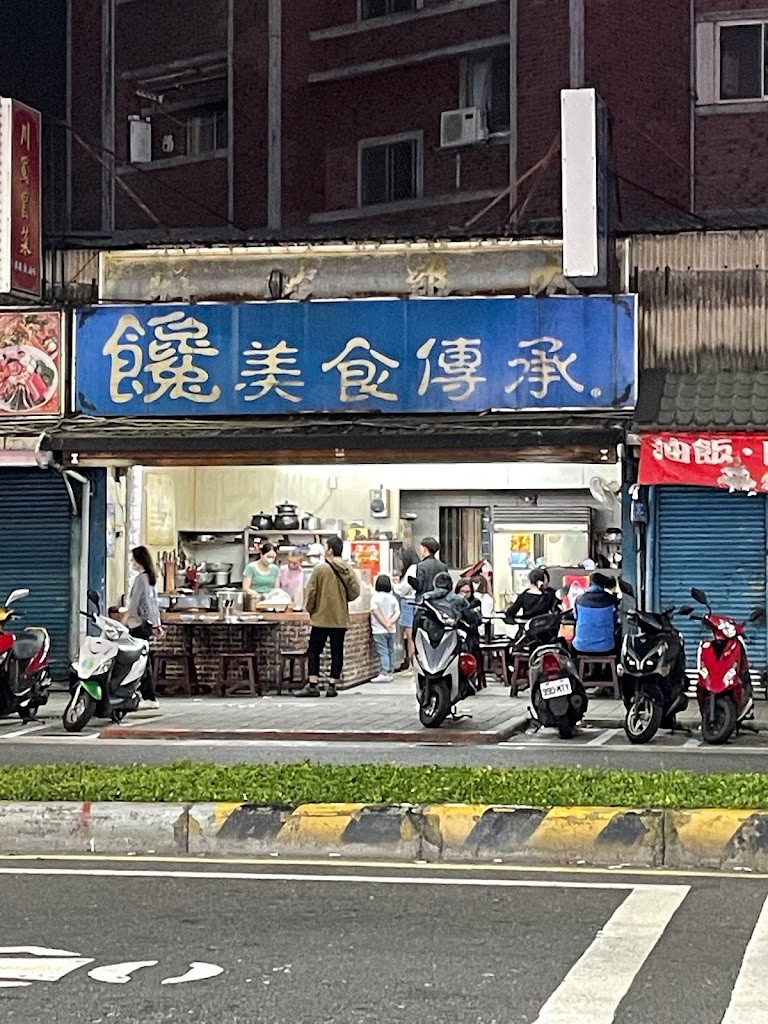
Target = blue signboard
(430,355)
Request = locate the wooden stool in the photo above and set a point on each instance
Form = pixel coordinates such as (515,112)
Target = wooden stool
(494,657)
(236,673)
(289,662)
(519,674)
(604,661)
(185,679)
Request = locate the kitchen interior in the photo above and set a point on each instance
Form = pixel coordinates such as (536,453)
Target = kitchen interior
(207,522)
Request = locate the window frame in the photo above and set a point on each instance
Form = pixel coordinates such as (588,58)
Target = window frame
(708,64)
(388,140)
(465,67)
(418,5)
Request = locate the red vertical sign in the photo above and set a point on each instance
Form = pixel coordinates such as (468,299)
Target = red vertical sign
(26,240)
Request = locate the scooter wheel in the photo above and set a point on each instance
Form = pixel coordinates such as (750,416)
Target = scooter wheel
(565,727)
(720,726)
(642,720)
(436,708)
(79,711)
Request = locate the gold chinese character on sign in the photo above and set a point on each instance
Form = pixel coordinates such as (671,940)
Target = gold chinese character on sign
(272,369)
(24,170)
(460,360)
(25,136)
(178,340)
(126,358)
(363,376)
(543,367)
(25,205)
(24,246)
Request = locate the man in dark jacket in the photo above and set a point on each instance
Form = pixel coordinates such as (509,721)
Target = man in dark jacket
(429,566)
(596,613)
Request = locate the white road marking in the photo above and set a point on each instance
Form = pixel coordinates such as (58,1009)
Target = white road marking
(748,1000)
(197,972)
(15,984)
(693,743)
(604,737)
(39,969)
(119,974)
(270,876)
(37,951)
(24,731)
(599,980)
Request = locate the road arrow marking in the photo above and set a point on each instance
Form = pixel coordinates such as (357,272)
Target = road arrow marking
(197,972)
(119,974)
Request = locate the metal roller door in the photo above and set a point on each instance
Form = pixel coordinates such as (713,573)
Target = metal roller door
(35,530)
(716,541)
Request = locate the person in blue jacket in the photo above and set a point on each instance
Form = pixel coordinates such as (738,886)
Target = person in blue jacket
(597,618)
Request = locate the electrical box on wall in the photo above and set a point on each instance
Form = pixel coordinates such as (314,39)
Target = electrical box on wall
(140,139)
(380,503)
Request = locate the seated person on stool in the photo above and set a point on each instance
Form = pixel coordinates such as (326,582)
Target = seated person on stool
(597,619)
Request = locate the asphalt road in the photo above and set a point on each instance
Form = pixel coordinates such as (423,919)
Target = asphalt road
(143,942)
(594,749)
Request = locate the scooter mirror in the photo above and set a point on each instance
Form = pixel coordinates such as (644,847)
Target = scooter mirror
(93,597)
(699,597)
(685,610)
(758,615)
(14,596)
(626,588)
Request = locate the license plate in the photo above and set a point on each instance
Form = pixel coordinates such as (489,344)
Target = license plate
(556,688)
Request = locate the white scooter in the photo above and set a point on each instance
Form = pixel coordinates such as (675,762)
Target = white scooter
(444,675)
(106,677)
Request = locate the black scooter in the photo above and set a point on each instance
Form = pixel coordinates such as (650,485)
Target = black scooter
(652,673)
(558,697)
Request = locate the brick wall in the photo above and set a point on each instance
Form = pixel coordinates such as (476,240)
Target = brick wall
(212,640)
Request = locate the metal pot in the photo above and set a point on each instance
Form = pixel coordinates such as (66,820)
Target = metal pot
(221,579)
(205,579)
(218,566)
(262,522)
(287,517)
(313,523)
(229,597)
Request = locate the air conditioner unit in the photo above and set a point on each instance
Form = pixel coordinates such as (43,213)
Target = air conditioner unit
(463,127)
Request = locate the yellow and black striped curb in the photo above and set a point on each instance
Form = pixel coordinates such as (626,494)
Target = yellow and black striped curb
(591,835)
(600,836)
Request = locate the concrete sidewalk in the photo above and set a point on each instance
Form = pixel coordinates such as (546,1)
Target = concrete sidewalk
(372,713)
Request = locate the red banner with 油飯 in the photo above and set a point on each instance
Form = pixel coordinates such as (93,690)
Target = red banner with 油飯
(733,462)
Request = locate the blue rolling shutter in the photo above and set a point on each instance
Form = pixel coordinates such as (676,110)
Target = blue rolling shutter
(715,541)
(35,530)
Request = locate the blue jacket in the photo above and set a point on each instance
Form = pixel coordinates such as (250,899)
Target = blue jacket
(596,614)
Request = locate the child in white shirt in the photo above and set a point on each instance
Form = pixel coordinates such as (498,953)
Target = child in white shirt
(385,612)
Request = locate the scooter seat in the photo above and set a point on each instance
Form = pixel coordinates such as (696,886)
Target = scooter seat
(27,644)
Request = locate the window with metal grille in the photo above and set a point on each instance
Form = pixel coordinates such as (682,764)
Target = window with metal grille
(461,536)
(390,169)
(191,131)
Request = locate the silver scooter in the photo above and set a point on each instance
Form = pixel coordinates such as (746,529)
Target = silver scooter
(444,673)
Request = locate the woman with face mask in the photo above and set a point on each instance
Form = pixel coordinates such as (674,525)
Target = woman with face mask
(261,576)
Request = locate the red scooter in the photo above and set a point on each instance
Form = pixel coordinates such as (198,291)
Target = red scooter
(724,687)
(24,662)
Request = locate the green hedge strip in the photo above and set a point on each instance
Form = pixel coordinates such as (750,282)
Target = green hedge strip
(292,784)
